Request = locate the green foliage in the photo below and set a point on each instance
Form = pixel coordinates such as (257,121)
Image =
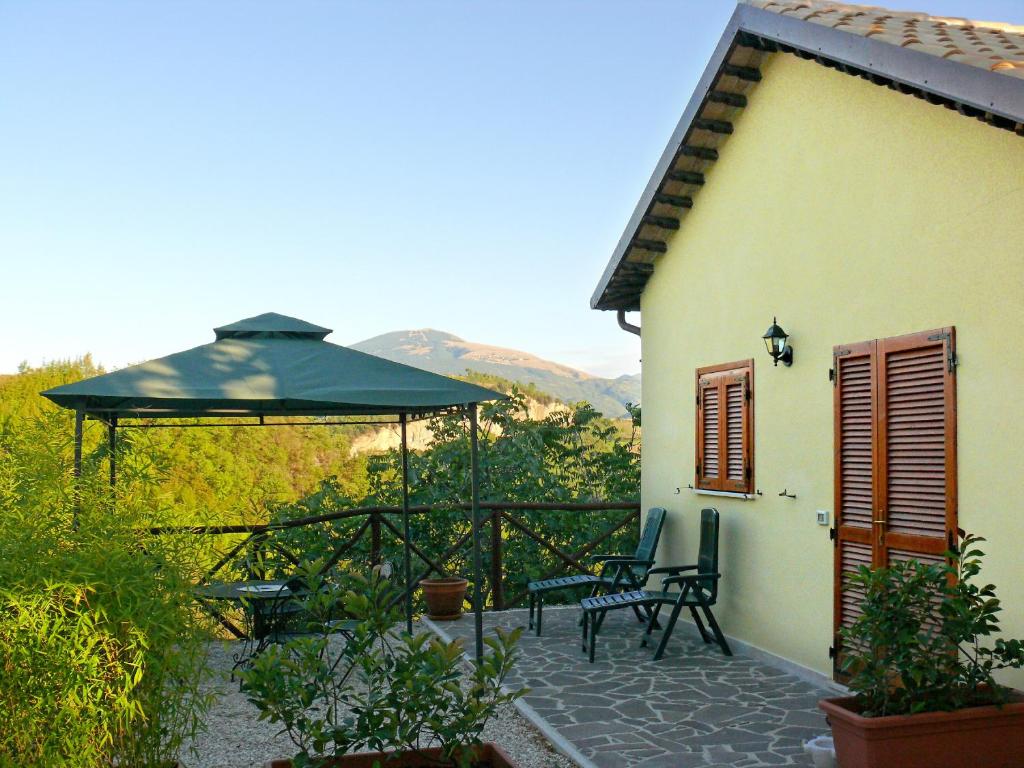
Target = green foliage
(382,690)
(571,455)
(499,384)
(97,617)
(215,475)
(919,644)
(115,642)
(69,682)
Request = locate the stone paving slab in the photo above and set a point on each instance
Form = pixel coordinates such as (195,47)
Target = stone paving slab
(695,707)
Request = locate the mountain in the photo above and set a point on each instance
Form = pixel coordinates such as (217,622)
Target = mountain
(446,353)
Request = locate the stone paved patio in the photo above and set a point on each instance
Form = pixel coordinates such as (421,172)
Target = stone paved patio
(695,707)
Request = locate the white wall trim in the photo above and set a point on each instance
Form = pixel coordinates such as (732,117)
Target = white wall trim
(726,494)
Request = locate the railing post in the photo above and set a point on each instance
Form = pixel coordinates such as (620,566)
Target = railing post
(374,539)
(497,567)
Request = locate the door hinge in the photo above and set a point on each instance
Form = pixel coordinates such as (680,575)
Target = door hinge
(833,372)
(833,534)
(747,473)
(832,651)
(698,470)
(951,361)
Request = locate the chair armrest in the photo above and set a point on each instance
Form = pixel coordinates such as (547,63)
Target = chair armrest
(619,568)
(630,562)
(672,569)
(598,558)
(692,578)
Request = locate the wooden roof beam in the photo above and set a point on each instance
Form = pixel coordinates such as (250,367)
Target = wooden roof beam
(686,177)
(701,153)
(636,267)
(654,246)
(631,287)
(750,74)
(677,201)
(662,222)
(729,99)
(714,126)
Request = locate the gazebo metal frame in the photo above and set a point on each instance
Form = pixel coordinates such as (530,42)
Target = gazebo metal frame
(148,412)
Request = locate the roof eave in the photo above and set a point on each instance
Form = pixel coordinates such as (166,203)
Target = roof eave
(975,88)
(718,58)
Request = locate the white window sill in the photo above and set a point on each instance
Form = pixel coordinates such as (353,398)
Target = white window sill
(726,494)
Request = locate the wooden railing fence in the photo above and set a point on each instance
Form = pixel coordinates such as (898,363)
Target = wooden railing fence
(263,550)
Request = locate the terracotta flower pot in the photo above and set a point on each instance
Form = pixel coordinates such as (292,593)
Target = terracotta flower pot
(978,737)
(487,756)
(444,597)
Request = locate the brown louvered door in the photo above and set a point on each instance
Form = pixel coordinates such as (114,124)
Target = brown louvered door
(854,409)
(917,434)
(895,456)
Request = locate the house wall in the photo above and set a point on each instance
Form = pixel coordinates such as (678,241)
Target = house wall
(852,212)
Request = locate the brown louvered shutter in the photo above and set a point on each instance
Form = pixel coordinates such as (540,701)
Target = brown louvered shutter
(708,435)
(895,455)
(725,427)
(854,407)
(917,437)
(851,555)
(736,430)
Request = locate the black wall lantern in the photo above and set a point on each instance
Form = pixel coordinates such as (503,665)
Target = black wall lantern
(775,339)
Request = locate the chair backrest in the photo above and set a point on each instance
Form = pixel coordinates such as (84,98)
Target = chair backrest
(649,537)
(707,558)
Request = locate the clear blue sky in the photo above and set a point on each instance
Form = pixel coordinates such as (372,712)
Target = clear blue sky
(166,167)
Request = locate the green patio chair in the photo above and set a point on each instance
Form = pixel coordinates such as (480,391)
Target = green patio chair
(694,591)
(617,572)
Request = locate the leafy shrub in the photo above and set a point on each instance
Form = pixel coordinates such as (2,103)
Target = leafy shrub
(383,689)
(116,646)
(571,455)
(918,645)
(98,629)
(216,475)
(68,680)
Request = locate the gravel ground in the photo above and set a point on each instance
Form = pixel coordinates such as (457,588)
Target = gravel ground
(235,738)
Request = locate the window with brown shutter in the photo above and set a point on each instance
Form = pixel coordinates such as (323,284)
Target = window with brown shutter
(725,427)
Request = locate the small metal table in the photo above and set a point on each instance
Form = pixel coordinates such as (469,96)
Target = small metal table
(261,602)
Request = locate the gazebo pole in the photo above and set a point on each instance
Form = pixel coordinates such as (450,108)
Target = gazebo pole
(478,592)
(112,442)
(407,564)
(77,491)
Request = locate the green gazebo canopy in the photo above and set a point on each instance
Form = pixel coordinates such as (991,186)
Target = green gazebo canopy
(269,365)
(273,365)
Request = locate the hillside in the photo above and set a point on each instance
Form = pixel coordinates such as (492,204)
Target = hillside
(446,353)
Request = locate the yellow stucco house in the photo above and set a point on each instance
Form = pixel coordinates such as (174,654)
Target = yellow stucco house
(857,174)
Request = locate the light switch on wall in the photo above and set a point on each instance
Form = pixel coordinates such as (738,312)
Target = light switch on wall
(822,517)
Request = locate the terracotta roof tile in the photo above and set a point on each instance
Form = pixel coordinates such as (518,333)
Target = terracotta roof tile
(994,46)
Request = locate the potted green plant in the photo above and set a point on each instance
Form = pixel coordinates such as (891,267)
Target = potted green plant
(444,597)
(921,660)
(379,696)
